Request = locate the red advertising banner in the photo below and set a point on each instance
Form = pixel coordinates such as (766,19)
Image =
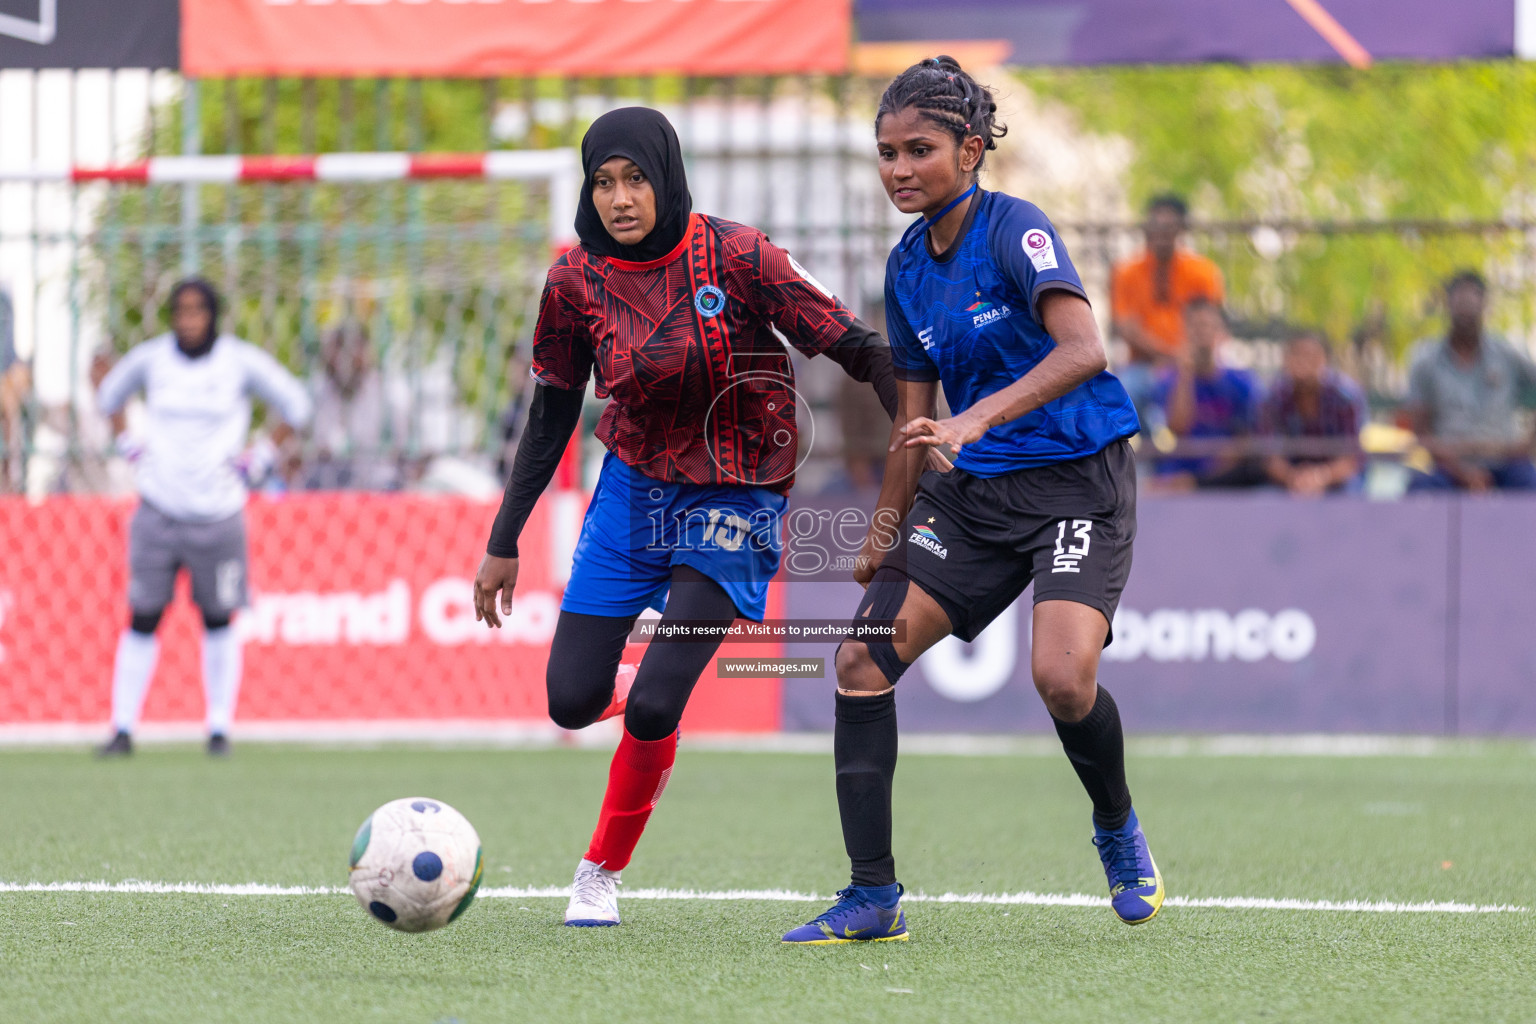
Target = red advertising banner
(360,614)
(513,37)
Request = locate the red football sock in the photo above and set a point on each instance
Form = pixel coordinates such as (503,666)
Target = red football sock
(636,778)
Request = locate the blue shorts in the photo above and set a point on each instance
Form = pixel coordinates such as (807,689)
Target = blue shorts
(637,528)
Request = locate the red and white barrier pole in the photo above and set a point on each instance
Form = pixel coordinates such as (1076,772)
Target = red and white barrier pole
(560,167)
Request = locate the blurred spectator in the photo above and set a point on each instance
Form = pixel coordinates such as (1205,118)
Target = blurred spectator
(95,466)
(1313,402)
(356,427)
(1464,396)
(1149,294)
(15,382)
(433,442)
(1206,401)
(441,439)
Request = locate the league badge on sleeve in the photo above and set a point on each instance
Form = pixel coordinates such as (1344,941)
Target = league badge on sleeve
(805,275)
(1040,250)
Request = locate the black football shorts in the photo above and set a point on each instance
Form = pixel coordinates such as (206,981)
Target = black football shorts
(973,543)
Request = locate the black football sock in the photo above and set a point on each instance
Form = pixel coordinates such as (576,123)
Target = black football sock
(1096,748)
(864,749)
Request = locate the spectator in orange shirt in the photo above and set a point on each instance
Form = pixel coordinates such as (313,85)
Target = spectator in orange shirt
(1148,296)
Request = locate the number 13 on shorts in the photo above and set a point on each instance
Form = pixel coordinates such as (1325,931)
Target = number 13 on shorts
(1068,556)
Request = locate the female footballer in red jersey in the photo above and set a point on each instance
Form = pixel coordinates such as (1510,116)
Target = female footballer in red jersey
(676,313)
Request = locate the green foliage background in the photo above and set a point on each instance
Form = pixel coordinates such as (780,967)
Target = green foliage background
(1381,182)
(428,265)
(1394,146)
(459,263)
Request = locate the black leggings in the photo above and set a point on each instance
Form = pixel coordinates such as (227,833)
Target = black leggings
(585,654)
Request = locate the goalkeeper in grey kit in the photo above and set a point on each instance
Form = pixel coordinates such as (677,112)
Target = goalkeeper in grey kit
(197,386)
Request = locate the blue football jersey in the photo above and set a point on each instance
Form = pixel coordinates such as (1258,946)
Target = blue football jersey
(972,321)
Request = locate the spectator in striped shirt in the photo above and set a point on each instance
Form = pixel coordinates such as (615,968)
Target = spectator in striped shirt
(1316,412)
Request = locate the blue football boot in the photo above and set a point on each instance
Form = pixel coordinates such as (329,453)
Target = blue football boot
(1135,884)
(857,916)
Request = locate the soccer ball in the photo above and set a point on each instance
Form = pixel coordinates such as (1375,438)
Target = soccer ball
(416,864)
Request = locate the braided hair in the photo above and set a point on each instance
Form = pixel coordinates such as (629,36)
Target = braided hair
(943,93)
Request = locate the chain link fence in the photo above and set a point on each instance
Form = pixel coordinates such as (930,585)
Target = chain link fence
(438,281)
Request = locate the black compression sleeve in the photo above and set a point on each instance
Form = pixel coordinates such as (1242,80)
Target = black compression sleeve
(552,418)
(671,665)
(866,357)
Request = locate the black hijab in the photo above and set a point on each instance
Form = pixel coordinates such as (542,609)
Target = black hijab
(211,300)
(648,138)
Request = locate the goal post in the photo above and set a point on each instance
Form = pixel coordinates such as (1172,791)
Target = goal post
(360,623)
(560,168)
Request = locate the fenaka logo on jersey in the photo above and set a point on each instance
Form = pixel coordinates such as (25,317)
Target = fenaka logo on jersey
(924,537)
(985,313)
(925,338)
(1040,250)
(709,301)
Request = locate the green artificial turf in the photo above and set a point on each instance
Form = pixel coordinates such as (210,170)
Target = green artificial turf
(1456,826)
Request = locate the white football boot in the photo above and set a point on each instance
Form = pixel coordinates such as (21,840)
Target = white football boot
(594,897)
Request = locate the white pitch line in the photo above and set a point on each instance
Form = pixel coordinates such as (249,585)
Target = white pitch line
(172,888)
(1034,899)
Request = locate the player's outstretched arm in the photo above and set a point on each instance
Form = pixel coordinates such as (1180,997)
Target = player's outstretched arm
(1078,357)
(552,418)
(866,357)
(808,314)
(903,467)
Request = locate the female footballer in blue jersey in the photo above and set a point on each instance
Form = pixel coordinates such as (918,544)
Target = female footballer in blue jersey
(981,297)
(678,316)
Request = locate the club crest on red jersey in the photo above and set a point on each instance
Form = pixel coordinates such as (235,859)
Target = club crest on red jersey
(709,301)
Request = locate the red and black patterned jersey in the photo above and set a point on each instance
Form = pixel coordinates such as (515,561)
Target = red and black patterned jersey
(702,386)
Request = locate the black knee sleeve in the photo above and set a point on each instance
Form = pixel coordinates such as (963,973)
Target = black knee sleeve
(145,622)
(654,711)
(583,660)
(579,696)
(882,600)
(216,620)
